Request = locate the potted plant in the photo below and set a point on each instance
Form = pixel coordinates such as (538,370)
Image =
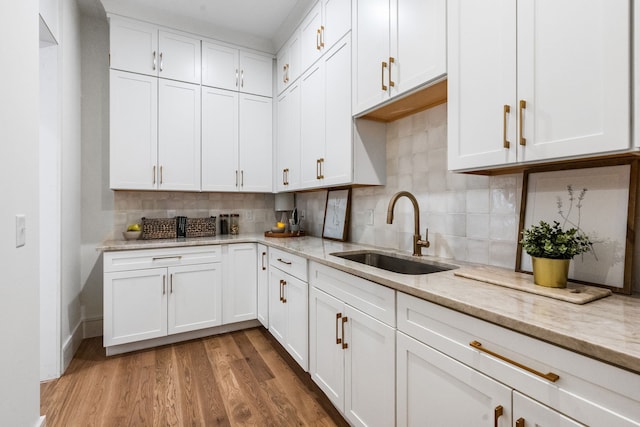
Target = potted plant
(552,247)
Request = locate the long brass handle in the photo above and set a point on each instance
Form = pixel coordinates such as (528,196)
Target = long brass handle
(161,175)
(242,78)
(338,340)
(281,289)
(284,298)
(171,283)
(520,422)
(317,168)
(164,284)
(321,160)
(345,319)
(284,73)
(157,258)
(523,105)
(161,62)
(497,413)
(242,178)
(236,178)
(154,174)
(154,60)
(505,141)
(236,77)
(264,267)
(384,87)
(284,262)
(322,36)
(318,39)
(549,376)
(392,60)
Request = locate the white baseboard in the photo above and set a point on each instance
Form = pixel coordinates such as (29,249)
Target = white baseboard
(71,345)
(92,327)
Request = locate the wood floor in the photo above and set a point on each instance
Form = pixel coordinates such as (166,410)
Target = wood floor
(238,379)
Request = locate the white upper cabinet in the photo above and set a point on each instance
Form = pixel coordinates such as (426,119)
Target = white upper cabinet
(327,22)
(142,48)
(543,87)
(230,68)
(288,143)
(288,62)
(399,45)
(255,146)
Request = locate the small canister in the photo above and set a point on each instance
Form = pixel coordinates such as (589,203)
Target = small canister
(234,224)
(224,223)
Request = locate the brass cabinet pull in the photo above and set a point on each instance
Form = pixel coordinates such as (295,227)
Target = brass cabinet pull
(321,160)
(497,413)
(161,62)
(549,377)
(236,77)
(318,169)
(157,258)
(171,283)
(281,290)
(284,262)
(338,340)
(236,178)
(285,176)
(523,105)
(284,298)
(242,178)
(520,422)
(392,60)
(345,319)
(505,141)
(318,39)
(154,60)
(285,73)
(161,175)
(242,78)
(154,175)
(384,87)
(322,36)
(164,284)
(264,254)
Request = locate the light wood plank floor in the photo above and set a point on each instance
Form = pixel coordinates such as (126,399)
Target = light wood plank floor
(242,378)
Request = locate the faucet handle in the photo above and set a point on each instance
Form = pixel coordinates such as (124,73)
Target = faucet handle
(424,243)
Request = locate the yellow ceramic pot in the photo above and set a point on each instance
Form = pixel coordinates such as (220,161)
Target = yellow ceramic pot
(551,273)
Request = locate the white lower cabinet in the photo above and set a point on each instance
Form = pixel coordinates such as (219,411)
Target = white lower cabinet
(532,413)
(352,354)
(239,289)
(289,307)
(263,285)
(151,294)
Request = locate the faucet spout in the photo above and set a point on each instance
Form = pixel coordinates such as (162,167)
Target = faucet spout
(418,243)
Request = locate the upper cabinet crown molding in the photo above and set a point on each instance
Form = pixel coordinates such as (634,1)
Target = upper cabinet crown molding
(550,87)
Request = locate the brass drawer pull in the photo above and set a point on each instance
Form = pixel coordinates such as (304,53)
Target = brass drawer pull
(284,297)
(523,105)
(264,254)
(392,60)
(284,262)
(157,258)
(345,319)
(497,413)
(520,422)
(505,141)
(549,377)
(338,317)
(384,87)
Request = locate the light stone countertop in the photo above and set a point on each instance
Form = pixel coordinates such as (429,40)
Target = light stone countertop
(607,329)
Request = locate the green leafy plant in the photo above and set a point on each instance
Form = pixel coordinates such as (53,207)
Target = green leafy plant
(551,241)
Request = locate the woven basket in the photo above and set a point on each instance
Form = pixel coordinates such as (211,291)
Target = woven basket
(201,227)
(159,228)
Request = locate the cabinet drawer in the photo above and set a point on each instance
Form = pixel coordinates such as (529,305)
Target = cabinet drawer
(289,263)
(373,299)
(151,258)
(582,380)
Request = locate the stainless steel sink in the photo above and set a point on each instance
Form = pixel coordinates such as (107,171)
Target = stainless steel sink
(395,263)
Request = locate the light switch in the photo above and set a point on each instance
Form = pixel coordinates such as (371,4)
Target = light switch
(21,230)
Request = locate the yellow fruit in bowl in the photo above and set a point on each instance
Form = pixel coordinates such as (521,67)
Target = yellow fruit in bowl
(280,224)
(133,227)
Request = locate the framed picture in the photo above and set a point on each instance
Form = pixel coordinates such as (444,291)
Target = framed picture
(598,197)
(336,214)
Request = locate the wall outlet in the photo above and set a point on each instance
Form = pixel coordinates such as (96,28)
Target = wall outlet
(369,216)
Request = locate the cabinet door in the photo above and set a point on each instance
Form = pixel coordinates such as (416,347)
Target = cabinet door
(133,46)
(195,297)
(337,166)
(288,145)
(240,285)
(435,389)
(220,66)
(256,144)
(179,57)
(336,17)
(135,305)
(565,69)
(418,43)
(370,362)
(371,49)
(133,128)
(310,37)
(263,285)
(326,355)
(527,413)
(288,62)
(277,309)
(219,139)
(480,86)
(296,300)
(178,135)
(312,124)
(256,73)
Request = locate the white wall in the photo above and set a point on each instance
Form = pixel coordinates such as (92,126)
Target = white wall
(71,217)
(19,295)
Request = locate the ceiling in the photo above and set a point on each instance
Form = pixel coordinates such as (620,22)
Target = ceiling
(270,20)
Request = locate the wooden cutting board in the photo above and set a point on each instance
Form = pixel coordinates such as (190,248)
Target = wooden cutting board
(574,292)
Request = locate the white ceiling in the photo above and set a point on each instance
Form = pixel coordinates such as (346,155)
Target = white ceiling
(270,20)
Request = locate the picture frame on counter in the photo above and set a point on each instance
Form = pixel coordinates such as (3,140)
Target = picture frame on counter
(600,197)
(336,214)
